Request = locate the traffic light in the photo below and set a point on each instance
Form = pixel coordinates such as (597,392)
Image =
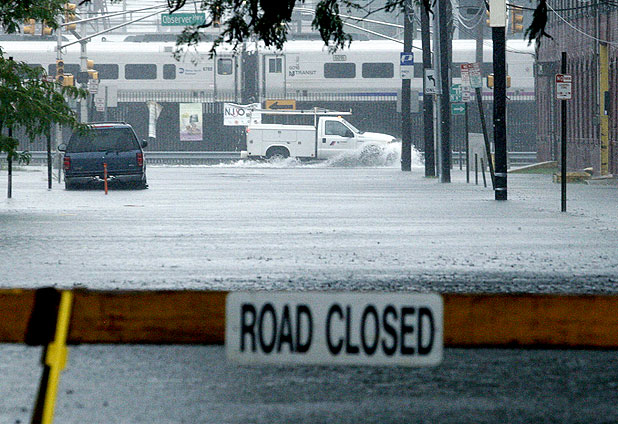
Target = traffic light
(487,19)
(29,27)
(46,30)
(89,64)
(60,71)
(490,81)
(69,16)
(517,19)
(65,80)
(92,74)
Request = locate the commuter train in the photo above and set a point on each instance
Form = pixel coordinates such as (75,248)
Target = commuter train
(303,70)
(364,78)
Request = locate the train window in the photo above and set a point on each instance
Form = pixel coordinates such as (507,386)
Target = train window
(169,71)
(339,70)
(224,67)
(140,71)
(274,65)
(378,70)
(69,68)
(108,71)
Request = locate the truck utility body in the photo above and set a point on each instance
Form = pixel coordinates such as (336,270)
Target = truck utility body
(330,136)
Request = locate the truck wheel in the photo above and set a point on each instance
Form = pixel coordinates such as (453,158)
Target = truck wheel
(280,152)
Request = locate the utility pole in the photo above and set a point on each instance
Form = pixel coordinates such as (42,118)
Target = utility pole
(445,103)
(497,21)
(406,121)
(430,165)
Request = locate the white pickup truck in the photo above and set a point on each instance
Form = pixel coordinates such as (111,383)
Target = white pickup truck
(333,136)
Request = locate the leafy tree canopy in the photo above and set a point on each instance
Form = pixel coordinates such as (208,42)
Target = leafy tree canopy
(28,101)
(268,20)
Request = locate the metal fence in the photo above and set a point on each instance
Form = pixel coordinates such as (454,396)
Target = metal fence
(209,158)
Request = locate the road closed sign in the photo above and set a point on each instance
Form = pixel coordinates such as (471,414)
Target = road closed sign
(402,329)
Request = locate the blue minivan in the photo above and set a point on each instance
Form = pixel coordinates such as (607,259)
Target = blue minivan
(107,143)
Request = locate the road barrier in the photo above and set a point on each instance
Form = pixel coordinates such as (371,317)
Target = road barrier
(54,319)
(198,317)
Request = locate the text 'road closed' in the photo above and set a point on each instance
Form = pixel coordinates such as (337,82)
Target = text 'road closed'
(334,328)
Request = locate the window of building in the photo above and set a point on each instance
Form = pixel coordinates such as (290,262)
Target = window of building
(378,70)
(224,66)
(169,71)
(140,71)
(339,70)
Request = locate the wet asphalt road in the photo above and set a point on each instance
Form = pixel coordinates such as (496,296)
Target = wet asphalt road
(299,227)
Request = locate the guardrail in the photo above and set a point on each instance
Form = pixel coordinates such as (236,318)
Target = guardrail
(200,158)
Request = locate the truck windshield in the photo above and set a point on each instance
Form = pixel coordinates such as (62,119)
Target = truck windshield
(102,140)
(352,127)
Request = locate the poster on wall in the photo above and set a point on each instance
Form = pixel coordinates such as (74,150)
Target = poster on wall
(190,122)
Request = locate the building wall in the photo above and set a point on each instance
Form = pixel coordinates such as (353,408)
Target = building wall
(579,41)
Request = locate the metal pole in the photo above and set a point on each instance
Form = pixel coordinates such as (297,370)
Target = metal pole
(563,145)
(479,101)
(445,104)
(9,160)
(49,162)
(406,121)
(499,56)
(430,158)
(467,141)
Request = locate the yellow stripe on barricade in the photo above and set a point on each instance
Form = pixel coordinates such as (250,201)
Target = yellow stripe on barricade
(198,317)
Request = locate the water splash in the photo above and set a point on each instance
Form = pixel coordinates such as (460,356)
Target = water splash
(371,156)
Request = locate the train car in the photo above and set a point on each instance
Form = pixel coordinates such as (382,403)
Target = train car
(369,70)
(364,77)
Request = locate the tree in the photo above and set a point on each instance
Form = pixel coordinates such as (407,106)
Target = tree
(28,100)
(268,20)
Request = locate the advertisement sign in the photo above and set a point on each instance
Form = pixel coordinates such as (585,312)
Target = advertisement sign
(190,122)
(241,115)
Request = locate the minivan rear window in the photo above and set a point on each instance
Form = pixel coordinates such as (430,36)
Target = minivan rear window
(103,140)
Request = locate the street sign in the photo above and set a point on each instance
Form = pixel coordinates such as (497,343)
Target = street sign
(466,94)
(99,104)
(93,86)
(564,87)
(404,329)
(471,75)
(455,93)
(431,86)
(406,65)
(281,104)
(183,19)
(458,108)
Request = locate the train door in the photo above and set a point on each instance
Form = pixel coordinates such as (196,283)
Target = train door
(225,78)
(273,76)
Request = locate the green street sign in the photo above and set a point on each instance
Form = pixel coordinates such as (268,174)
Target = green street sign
(455,93)
(182,19)
(458,108)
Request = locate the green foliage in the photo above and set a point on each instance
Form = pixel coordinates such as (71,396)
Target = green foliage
(13,13)
(31,103)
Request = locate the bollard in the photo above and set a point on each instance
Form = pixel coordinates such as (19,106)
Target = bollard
(476,169)
(483,172)
(105,176)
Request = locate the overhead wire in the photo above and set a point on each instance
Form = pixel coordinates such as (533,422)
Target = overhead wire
(579,30)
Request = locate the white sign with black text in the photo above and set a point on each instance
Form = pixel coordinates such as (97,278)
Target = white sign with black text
(403,329)
(564,87)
